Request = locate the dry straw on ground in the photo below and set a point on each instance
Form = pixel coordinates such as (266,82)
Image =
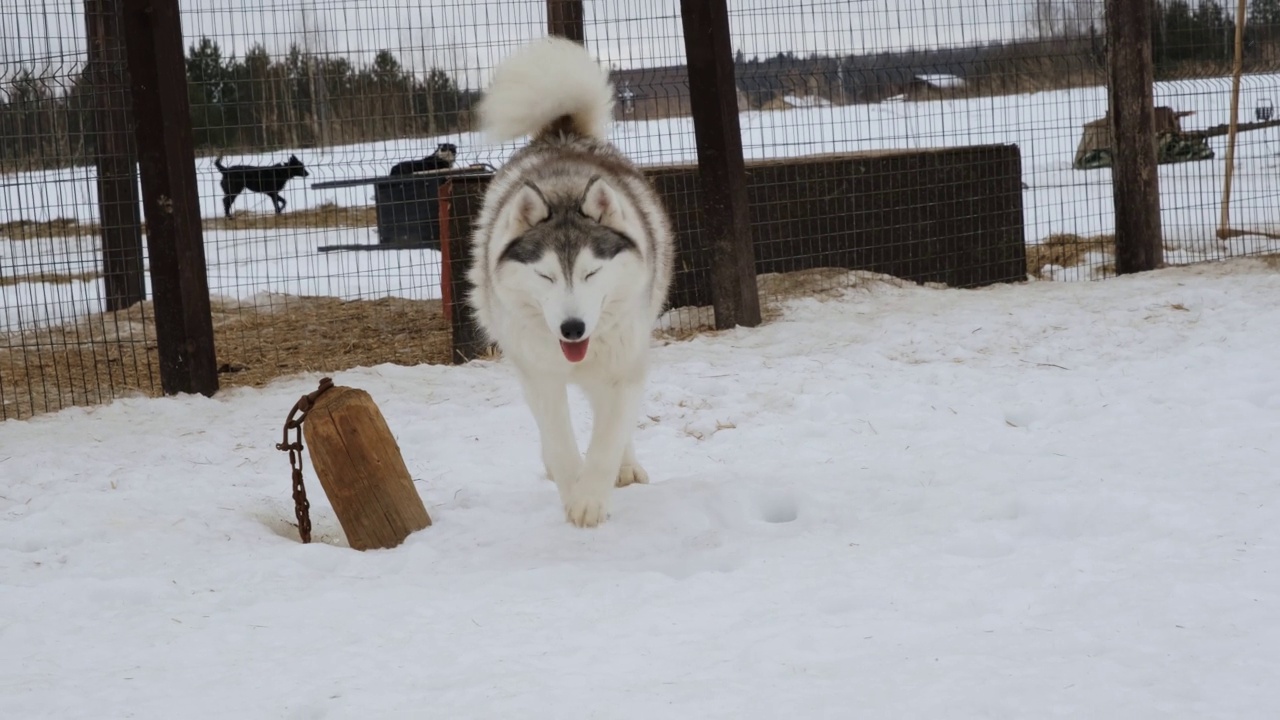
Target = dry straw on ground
(327,215)
(1068,250)
(51,278)
(57,227)
(109,355)
(114,354)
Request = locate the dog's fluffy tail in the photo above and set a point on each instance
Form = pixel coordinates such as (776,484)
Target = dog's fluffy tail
(217,162)
(549,85)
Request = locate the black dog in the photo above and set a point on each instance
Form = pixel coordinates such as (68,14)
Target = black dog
(269,179)
(441,159)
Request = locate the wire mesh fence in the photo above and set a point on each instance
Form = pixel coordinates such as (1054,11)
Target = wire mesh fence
(68,181)
(935,140)
(1216,177)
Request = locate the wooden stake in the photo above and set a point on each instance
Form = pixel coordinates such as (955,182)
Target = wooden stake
(360,467)
(1224,224)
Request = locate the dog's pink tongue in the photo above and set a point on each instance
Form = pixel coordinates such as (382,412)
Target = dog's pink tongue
(574,351)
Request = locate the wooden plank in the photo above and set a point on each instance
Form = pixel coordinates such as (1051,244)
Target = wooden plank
(1223,129)
(714,106)
(482,170)
(565,18)
(951,215)
(1134,173)
(175,244)
(119,214)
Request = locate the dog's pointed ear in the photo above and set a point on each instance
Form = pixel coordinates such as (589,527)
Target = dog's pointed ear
(528,208)
(601,203)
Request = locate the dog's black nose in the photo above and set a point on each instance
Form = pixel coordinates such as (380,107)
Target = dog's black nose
(573,329)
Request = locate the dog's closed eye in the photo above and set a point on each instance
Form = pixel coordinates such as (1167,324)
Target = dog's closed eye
(548,278)
(588,275)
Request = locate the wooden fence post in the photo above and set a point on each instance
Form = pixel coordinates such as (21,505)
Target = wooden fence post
(713,98)
(463,196)
(1135,178)
(124,281)
(175,243)
(564,18)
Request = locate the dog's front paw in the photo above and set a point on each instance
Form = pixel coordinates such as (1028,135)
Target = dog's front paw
(586,508)
(629,474)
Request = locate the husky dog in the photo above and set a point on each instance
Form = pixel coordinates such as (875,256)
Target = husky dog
(571,264)
(269,179)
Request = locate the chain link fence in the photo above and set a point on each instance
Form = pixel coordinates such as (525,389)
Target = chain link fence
(935,140)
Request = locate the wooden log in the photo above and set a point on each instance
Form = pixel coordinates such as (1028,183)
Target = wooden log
(360,467)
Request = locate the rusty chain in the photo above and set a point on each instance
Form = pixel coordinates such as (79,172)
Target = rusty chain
(301,507)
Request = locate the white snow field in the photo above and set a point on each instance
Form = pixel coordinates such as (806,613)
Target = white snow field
(1035,501)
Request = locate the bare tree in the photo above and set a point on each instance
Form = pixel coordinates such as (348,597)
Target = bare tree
(315,44)
(1050,19)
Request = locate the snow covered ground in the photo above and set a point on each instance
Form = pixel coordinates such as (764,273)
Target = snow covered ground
(1050,500)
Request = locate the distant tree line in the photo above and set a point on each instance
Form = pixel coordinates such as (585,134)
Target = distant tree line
(249,104)
(303,100)
(260,103)
(1189,38)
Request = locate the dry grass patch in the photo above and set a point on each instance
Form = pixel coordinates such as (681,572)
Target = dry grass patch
(775,289)
(257,344)
(57,227)
(327,215)
(91,361)
(52,278)
(1068,250)
(110,355)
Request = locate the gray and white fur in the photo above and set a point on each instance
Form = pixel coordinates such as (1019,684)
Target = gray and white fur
(572,261)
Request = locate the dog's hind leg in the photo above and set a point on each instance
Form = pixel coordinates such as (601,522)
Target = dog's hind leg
(277,201)
(614,406)
(228,197)
(549,402)
(630,472)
